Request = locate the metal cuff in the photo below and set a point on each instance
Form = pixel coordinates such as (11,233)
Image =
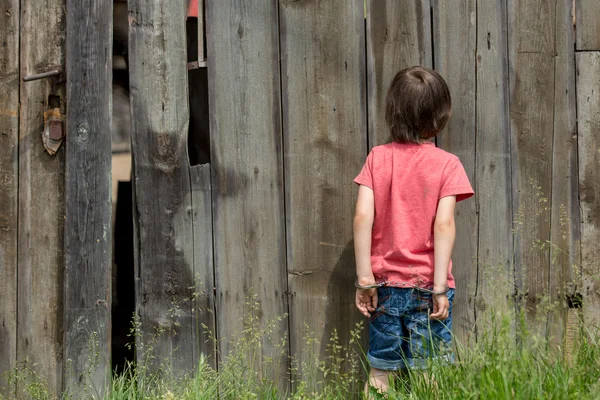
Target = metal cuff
(433,291)
(372,286)
(378,285)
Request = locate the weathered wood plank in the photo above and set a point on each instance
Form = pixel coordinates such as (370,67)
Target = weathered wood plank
(398,36)
(247,178)
(588,125)
(164,256)
(9,184)
(493,166)
(324,115)
(588,24)
(454,27)
(203,311)
(565,250)
(88,232)
(201,32)
(41,201)
(531,32)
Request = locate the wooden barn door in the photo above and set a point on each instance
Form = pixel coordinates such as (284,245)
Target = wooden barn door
(32,160)
(172,206)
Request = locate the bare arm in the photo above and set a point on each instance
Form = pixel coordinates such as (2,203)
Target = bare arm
(444,233)
(366,299)
(363,226)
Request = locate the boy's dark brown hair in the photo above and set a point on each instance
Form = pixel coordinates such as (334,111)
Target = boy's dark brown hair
(418,105)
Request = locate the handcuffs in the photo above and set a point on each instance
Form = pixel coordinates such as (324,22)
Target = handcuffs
(378,285)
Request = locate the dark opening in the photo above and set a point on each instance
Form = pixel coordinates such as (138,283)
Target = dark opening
(123,284)
(54,101)
(575,300)
(123,305)
(199,127)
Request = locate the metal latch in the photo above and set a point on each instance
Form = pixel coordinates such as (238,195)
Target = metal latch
(196,65)
(53,135)
(53,70)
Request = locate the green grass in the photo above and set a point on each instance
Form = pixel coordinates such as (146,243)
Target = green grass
(498,366)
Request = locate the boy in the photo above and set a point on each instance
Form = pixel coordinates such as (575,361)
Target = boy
(404,230)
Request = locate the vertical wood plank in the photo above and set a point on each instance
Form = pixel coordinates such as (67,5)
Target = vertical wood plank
(247,179)
(9,184)
(588,117)
(454,27)
(565,251)
(41,201)
(398,36)
(203,311)
(531,62)
(588,25)
(324,116)
(201,33)
(88,231)
(493,167)
(163,209)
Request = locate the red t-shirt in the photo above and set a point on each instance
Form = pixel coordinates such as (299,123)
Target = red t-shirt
(408,180)
(193,8)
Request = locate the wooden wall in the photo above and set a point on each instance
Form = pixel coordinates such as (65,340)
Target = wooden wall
(296,92)
(32,206)
(88,199)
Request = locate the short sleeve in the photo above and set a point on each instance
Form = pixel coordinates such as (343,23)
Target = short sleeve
(455,182)
(365,177)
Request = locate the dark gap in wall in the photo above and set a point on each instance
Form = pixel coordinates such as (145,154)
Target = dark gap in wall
(122,274)
(53,101)
(432,28)
(367,116)
(432,49)
(575,300)
(475,71)
(283,185)
(123,305)
(199,127)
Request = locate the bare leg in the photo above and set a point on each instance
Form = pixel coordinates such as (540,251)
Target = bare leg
(379,379)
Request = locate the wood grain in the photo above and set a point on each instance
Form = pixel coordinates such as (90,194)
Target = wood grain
(9,184)
(163,206)
(531,62)
(88,231)
(324,116)
(203,304)
(41,201)
(398,36)
(588,125)
(493,168)
(565,252)
(588,25)
(454,27)
(247,178)
(201,32)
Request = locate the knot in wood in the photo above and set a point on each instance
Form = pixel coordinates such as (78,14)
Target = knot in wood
(165,152)
(83,132)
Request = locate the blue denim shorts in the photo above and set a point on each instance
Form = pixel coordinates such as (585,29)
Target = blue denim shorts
(402,336)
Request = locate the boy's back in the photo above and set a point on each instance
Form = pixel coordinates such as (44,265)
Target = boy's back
(407,194)
(408,180)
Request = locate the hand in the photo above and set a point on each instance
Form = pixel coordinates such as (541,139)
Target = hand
(441,307)
(366,301)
